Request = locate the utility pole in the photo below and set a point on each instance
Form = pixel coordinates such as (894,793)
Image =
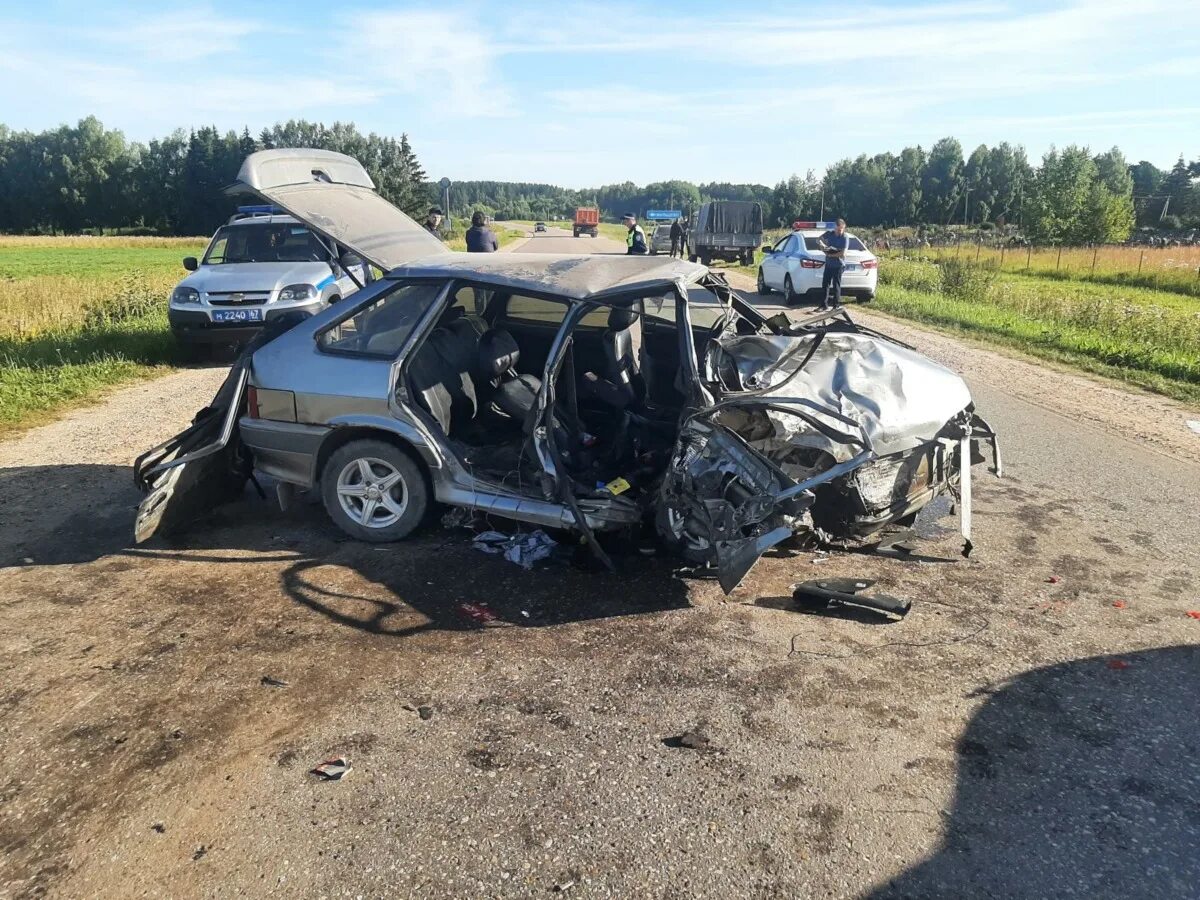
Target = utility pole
(822,201)
(445,186)
(966,206)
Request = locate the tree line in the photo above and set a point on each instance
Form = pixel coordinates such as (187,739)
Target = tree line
(85,176)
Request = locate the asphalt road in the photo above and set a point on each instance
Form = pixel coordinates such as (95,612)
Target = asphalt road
(1029,730)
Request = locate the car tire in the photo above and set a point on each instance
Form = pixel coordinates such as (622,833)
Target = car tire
(395,512)
(789,292)
(696,552)
(868,298)
(762,283)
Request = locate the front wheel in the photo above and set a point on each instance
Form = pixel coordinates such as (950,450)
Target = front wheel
(762,283)
(374,491)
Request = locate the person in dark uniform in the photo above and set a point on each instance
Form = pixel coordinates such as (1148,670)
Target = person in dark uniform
(834,243)
(433,222)
(480,238)
(635,241)
(676,239)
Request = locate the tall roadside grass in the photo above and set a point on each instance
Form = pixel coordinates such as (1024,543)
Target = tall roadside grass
(78,315)
(1172,269)
(1148,337)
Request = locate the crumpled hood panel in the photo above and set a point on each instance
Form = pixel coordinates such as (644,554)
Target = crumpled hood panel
(901,398)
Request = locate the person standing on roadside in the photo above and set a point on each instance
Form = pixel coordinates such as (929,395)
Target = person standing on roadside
(835,243)
(635,240)
(433,222)
(676,239)
(480,238)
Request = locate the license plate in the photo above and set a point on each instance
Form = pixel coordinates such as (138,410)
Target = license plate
(851,267)
(237,315)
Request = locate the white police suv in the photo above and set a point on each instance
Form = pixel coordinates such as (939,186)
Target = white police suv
(795,263)
(261,264)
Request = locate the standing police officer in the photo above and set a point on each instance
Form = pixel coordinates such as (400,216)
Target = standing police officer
(834,243)
(635,240)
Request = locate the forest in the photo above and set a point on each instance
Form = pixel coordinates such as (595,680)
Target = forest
(88,178)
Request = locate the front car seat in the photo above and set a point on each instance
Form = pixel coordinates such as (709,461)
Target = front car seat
(513,393)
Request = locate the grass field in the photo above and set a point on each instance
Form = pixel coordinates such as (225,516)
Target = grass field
(1147,337)
(1174,269)
(80,314)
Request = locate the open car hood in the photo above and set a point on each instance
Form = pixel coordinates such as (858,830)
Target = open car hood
(333,194)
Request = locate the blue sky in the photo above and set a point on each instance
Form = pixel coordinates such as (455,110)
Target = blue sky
(596,92)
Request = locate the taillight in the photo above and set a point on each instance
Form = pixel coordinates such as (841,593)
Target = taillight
(870,264)
(811,263)
(252,401)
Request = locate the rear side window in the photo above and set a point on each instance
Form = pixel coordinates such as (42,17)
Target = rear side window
(382,327)
(856,244)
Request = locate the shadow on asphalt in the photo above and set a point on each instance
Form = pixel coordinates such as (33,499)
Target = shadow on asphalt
(436,580)
(1080,779)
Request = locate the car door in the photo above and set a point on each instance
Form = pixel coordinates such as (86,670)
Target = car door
(772,264)
(790,258)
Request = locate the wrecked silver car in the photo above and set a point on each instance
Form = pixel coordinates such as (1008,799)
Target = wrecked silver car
(597,394)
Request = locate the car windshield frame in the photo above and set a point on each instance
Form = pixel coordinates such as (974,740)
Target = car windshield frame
(314,251)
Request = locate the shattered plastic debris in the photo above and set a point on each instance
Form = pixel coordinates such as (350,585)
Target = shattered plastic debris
(425,712)
(1117,664)
(1194,424)
(523,548)
(1053,579)
(1119,604)
(1193,613)
(271,681)
(333,769)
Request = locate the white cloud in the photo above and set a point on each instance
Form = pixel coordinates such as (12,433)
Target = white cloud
(439,57)
(182,35)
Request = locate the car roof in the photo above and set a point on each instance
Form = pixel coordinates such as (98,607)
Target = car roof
(575,277)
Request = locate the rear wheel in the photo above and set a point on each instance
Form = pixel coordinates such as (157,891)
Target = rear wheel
(762,283)
(374,491)
(789,292)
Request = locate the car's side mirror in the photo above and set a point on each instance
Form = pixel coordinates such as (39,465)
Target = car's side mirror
(767,248)
(349,260)
(189,263)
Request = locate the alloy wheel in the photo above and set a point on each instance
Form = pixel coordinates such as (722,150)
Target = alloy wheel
(371,492)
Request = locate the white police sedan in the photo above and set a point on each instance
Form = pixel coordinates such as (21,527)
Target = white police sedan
(795,263)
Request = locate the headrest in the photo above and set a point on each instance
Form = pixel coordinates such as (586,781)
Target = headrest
(454,312)
(498,353)
(621,317)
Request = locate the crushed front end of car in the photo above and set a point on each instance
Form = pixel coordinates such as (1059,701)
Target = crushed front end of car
(791,396)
